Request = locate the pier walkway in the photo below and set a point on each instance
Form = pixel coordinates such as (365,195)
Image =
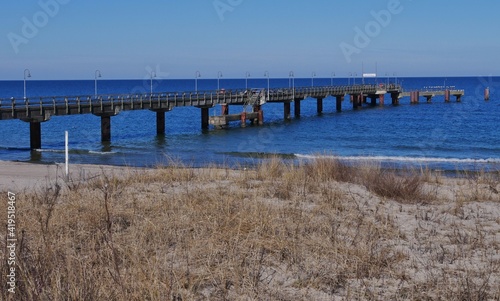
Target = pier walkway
(38,110)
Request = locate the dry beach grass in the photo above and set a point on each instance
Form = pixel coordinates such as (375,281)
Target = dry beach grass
(321,230)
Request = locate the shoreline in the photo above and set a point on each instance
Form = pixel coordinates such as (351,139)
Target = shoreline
(17,175)
(23,175)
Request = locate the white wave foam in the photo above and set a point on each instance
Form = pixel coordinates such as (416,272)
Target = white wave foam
(403,159)
(49,150)
(101,153)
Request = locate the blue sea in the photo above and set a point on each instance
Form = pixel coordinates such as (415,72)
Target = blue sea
(448,136)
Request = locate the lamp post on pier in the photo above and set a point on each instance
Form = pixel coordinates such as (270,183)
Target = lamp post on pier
(153,75)
(196,76)
(247,75)
(219,75)
(96,75)
(331,82)
(267,74)
(27,74)
(313,75)
(291,78)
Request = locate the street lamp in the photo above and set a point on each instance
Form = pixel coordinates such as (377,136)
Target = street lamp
(247,75)
(196,76)
(349,79)
(219,75)
(333,75)
(153,74)
(267,74)
(27,73)
(313,75)
(291,77)
(96,75)
(354,78)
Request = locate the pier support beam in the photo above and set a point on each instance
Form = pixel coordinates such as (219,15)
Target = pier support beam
(429,98)
(106,128)
(260,116)
(225,109)
(36,130)
(373,100)
(286,107)
(35,135)
(357,101)
(459,97)
(204,117)
(319,105)
(339,100)
(447,96)
(296,107)
(395,98)
(160,122)
(106,125)
(381,99)
(243,119)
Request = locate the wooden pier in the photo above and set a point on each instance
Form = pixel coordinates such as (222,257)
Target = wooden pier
(38,110)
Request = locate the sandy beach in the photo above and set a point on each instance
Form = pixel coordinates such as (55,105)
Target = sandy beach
(18,176)
(323,231)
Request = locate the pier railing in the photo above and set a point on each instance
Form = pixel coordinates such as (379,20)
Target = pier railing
(19,108)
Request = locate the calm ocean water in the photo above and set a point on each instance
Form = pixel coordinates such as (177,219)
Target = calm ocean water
(463,135)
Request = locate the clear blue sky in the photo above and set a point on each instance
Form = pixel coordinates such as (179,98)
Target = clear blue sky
(70,39)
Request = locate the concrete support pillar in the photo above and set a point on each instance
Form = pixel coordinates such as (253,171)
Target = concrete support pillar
(160,123)
(225,109)
(447,96)
(395,98)
(429,98)
(260,114)
(35,135)
(373,99)
(286,106)
(105,128)
(261,117)
(243,119)
(381,98)
(319,105)
(339,102)
(357,101)
(204,118)
(414,95)
(487,94)
(297,108)
(459,97)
